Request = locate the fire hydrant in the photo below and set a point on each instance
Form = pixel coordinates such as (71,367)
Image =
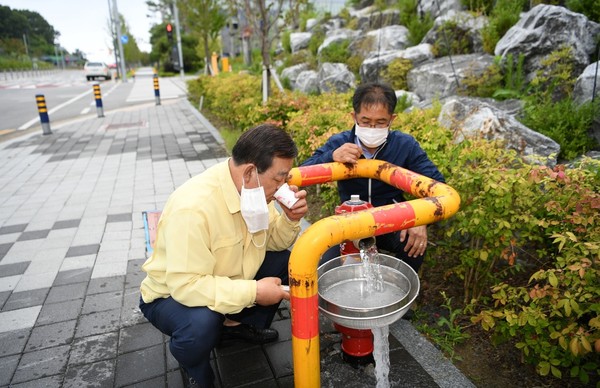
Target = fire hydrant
(357,344)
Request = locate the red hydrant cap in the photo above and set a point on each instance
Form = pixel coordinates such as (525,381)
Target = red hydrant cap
(352,205)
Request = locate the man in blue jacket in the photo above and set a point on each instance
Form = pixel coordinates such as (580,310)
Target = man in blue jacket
(371,138)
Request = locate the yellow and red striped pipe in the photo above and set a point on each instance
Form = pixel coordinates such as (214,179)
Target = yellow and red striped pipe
(436,201)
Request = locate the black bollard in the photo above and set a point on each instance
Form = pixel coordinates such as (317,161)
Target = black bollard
(156,90)
(98,97)
(43,111)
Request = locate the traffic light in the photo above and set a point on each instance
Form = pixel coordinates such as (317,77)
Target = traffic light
(170,32)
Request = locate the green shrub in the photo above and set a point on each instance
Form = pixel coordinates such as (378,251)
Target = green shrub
(565,122)
(482,85)
(354,63)
(231,97)
(22,63)
(325,115)
(555,316)
(316,40)
(417,24)
(499,81)
(396,73)
(344,14)
(306,14)
(453,40)
(302,56)
(514,76)
(479,6)
(336,52)
(502,17)
(589,8)
(286,42)
(516,222)
(490,236)
(550,110)
(556,77)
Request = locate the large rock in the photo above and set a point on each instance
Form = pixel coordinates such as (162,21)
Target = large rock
(336,36)
(468,27)
(469,118)
(311,23)
(587,87)
(391,38)
(441,77)
(299,40)
(292,72)
(379,19)
(437,8)
(544,29)
(308,82)
(332,24)
(410,98)
(584,86)
(372,67)
(336,77)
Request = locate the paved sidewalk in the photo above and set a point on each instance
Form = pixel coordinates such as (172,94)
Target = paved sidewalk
(71,245)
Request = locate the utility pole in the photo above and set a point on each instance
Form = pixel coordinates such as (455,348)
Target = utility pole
(62,58)
(118,28)
(114,37)
(27,49)
(177,28)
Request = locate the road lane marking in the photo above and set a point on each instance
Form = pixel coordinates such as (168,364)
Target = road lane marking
(93,103)
(56,108)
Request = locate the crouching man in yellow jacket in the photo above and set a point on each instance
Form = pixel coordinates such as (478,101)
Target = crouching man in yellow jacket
(220,255)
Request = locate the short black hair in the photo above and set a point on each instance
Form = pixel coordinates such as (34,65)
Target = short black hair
(261,144)
(374,93)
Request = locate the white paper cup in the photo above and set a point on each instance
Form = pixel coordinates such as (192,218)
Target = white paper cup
(286,196)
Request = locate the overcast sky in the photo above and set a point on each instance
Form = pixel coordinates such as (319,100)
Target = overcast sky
(83,24)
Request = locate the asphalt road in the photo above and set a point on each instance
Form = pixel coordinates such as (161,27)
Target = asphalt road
(68,96)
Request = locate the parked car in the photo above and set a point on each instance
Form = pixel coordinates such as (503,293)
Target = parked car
(95,70)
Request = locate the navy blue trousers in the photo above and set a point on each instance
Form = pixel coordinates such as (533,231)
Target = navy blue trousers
(388,242)
(196,331)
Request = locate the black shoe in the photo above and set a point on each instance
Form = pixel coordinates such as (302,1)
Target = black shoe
(188,381)
(250,333)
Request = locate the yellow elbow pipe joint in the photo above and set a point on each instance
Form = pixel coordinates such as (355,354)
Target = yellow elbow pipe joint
(436,201)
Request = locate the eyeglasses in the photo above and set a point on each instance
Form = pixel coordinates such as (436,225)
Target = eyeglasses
(377,124)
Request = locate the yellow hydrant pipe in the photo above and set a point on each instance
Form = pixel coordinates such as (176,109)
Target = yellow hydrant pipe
(437,201)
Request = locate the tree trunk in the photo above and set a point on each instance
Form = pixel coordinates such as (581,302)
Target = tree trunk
(264,48)
(207,52)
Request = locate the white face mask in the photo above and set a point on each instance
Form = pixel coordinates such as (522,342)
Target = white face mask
(253,204)
(371,137)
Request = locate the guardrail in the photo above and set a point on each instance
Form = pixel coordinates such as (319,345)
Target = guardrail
(12,74)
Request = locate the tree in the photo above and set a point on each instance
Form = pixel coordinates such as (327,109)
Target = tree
(161,49)
(204,18)
(264,17)
(15,24)
(131,51)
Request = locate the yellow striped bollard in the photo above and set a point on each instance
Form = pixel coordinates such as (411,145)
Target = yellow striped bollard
(43,111)
(98,97)
(156,89)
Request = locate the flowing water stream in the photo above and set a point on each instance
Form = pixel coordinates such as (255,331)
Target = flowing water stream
(381,355)
(375,284)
